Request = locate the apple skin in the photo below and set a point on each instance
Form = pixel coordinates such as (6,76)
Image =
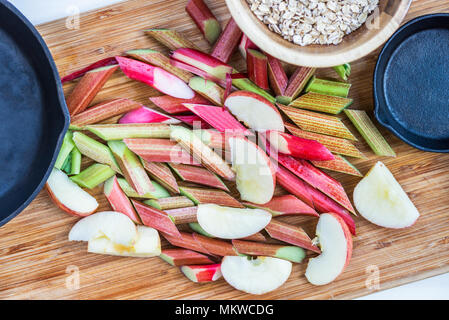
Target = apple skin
(348,236)
(63,207)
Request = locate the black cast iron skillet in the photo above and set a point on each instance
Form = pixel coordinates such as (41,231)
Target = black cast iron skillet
(33,114)
(411,83)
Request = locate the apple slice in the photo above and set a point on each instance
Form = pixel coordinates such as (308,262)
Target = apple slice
(68,196)
(255,276)
(231,223)
(147,244)
(336,246)
(155,77)
(255,111)
(381,200)
(255,174)
(115,226)
(202,273)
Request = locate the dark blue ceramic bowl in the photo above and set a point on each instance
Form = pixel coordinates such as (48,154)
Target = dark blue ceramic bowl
(411,83)
(33,113)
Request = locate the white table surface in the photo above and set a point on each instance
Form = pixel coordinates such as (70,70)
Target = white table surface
(47,10)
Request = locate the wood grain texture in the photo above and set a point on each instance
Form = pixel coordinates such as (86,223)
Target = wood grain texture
(36,258)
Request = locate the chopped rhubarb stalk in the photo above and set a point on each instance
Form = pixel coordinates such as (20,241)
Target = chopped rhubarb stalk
(132,130)
(155,77)
(339,164)
(248,85)
(369,132)
(208,89)
(294,185)
(207,63)
(67,166)
(95,150)
(317,179)
(245,44)
(195,226)
(174,105)
(290,253)
(118,199)
(317,122)
(147,115)
(159,150)
(75,166)
(204,19)
(160,60)
(161,173)
(157,219)
(172,39)
(87,88)
(259,237)
(159,192)
(324,204)
(182,257)
(285,205)
(64,152)
(199,72)
(291,234)
(103,111)
(182,215)
(93,176)
(98,64)
(170,203)
(203,196)
(218,118)
(296,84)
(198,175)
(213,138)
(228,42)
(334,144)
(344,70)
(215,246)
(131,167)
(277,76)
(257,65)
(320,102)
(194,121)
(202,273)
(228,86)
(329,87)
(298,147)
(201,152)
(185,240)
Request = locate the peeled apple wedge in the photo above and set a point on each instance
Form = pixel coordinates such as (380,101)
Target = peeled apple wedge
(147,244)
(255,276)
(68,196)
(255,175)
(335,242)
(231,223)
(115,226)
(381,200)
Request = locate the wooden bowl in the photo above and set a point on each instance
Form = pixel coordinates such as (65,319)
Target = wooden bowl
(354,46)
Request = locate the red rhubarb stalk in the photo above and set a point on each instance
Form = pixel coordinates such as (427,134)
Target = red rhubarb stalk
(98,64)
(198,175)
(182,215)
(174,105)
(291,234)
(156,219)
(277,76)
(245,44)
(194,121)
(296,84)
(161,173)
(155,77)
(182,257)
(202,273)
(147,115)
(204,19)
(257,64)
(185,240)
(285,205)
(197,71)
(215,246)
(203,196)
(118,199)
(294,185)
(228,42)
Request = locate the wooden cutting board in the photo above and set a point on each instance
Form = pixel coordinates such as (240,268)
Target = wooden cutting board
(37,261)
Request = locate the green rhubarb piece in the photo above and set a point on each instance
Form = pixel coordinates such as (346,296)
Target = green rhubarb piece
(75,167)
(64,152)
(95,150)
(93,175)
(195,226)
(370,133)
(321,102)
(208,89)
(153,203)
(67,166)
(328,87)
(160,191)
(291,253)
(248,85)
(344,70)
(75,127)
(110,132)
